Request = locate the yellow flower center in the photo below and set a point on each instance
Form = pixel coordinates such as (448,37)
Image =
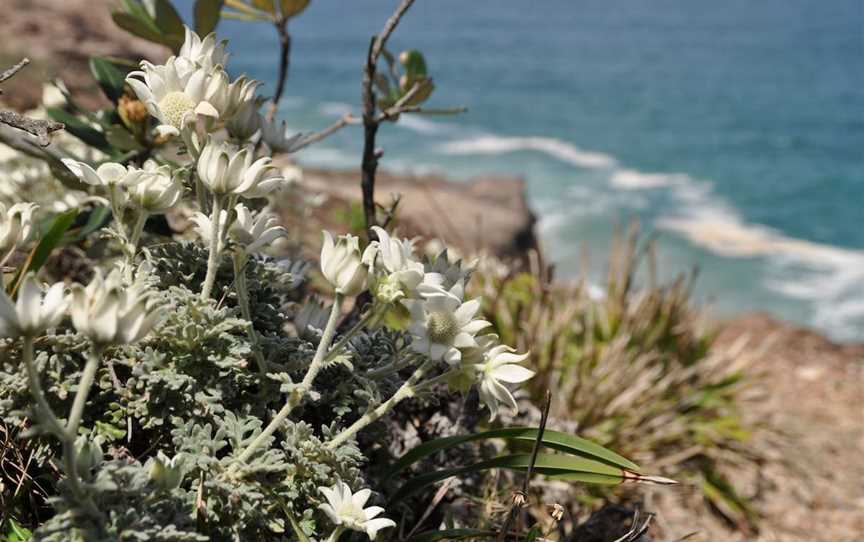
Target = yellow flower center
(174,106)
(442,327)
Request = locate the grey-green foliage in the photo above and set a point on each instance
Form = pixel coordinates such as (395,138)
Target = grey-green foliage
(188,389)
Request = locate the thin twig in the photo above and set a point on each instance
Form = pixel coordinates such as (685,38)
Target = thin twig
(9,73)
(370,122)
(315,137)
(284,61)
(636,529)
(439,495)
(40,129)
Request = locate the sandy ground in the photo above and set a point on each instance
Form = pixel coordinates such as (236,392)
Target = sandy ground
(812,391)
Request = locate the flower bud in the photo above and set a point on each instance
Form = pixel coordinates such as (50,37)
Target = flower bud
(166,473)
(16,226)
(342,265)
(88,457)
(111,312)
(34,311)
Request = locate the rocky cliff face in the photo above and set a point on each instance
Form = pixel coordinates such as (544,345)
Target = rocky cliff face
(59,37)
(485,214)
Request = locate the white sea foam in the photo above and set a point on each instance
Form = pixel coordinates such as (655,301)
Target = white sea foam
(556,148)
(630,179)
(830,278)
(422,125)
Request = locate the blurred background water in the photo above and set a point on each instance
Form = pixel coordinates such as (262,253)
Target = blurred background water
(733,130)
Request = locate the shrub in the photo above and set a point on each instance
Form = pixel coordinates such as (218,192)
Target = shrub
(635,369)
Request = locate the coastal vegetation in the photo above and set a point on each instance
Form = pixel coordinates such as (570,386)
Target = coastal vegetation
(188,353)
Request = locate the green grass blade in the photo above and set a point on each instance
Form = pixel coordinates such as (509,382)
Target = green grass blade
(547,464)
(555,440)
(451,534)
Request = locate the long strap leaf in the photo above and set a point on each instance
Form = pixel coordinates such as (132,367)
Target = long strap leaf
(555,440)
(39,255)
(451,534)
(576,468)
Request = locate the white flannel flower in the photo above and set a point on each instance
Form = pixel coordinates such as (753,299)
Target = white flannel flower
(109,175)
(393,258)
(496,365)
(16,226)
(342,264)
(178,92)
(225,169)
(158,191)
(346,509)
(204,53)
(443,274)
(246,122)
(34,311)
(254,232)
(111,312)
(442,324)
(275,135)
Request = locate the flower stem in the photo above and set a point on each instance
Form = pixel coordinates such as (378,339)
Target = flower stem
(301,389)
(337,532)
(213,258)
(66,436)
(137,229)
(343,340)
(87,378)
(36,389)
(243,300)
(408,389)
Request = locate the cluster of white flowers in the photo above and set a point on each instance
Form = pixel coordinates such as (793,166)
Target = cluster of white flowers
(220,130)
(152,189)
(107,311)
(444,325)
(192,91)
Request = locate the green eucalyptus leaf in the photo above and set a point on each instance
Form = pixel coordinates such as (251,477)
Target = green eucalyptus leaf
(413,62)
(137,27)
(111,80)
(207,15)
(170,24)
(80,129)
(120,138)
(292,8)
(265,5)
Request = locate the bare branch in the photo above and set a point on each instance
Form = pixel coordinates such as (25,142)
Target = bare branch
(369,164)
(388,29)
(25,144)
(392,112)
(315,137)
(41,129)
(8,74)
(284,61)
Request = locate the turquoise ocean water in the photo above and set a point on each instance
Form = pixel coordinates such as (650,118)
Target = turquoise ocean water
(732,130)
